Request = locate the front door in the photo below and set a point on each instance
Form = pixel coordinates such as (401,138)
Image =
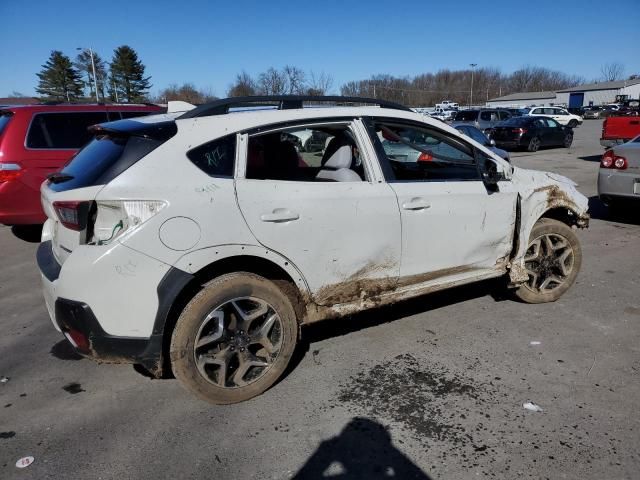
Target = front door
(451,224)
(328,214)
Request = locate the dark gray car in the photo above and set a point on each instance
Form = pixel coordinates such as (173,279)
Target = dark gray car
(482,118)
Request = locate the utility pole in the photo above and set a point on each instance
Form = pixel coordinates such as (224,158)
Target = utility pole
(473,66)
(93,69)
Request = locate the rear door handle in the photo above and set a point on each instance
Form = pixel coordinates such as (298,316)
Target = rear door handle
(279,215)
(416,204)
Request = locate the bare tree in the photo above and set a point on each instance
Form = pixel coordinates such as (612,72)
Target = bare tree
(272,82)
(319,84)
(612,71)
(243,86)
(295,78)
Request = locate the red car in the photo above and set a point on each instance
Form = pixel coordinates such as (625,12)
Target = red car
(37,140)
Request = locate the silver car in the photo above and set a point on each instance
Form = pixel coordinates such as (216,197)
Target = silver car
(482,118)
(482,139)
(619,175)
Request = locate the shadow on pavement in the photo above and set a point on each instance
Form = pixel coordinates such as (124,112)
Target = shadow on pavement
(628,212)
(27,233)
(64,351)
(591,158)
(363,450)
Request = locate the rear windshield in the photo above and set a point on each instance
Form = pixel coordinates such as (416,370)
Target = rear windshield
(466,116)
(103,159)
(515,121)
(65,130)
(4,120)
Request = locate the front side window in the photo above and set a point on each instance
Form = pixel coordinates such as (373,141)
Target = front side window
(215,158)
(62,130)
(415,153)
(466,116)
(319,153)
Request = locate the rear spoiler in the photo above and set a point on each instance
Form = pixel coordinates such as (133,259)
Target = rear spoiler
(130,128)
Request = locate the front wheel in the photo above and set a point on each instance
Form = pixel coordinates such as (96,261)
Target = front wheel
(553,260)
(573,123)
(234,339)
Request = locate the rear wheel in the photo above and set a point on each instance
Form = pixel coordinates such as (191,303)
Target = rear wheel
(552,260)
(234,339)
(568,140)
(534,144)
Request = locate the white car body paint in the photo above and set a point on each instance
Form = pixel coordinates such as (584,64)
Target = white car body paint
(346,245)
(560,115)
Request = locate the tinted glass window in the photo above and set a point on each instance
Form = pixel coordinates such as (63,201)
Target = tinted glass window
(517,121)
(130,114)
(113,116)
(415,153)
(62,130)
(103,159)
(466,116)
(216,158)
(503,114)
(4,120)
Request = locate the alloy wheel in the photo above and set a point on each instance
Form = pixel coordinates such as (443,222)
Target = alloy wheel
(238,342)
(549,261)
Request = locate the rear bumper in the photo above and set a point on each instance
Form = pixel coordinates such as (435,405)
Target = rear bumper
(612,142)
(20,205)
(508,144)
(112,304)
(612,183)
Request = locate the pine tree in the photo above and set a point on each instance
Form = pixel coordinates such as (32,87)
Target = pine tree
(83,64)
(127,80)
(59,80)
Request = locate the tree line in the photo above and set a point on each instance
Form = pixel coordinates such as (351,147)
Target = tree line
(120,80)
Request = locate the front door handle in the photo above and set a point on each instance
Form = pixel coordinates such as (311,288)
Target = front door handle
(416,204)
(279,215)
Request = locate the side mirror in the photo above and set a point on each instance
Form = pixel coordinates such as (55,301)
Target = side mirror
(490,175)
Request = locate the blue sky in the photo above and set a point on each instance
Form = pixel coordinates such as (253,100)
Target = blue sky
(208,42)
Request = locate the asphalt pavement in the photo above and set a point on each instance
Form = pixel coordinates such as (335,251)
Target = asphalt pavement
(429,388)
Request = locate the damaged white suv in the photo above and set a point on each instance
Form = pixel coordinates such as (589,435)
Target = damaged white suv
(202,241)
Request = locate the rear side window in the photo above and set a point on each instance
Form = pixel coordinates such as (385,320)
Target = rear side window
(62,130)
(466,116)
(215,158)
(5,117)
(103,159)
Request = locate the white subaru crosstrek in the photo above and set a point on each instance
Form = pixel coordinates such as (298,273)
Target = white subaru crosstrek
(200,242)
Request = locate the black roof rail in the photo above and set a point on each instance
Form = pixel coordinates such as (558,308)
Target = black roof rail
(283,102)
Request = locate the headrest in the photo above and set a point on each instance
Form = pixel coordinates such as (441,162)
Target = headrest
(340,159)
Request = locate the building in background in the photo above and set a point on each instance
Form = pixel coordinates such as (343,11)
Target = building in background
(524,99)
(600,93)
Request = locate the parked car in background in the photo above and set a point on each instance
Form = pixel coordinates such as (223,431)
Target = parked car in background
(618,130)
(619,174)
(482,139)
(518,112)
(531,133)
(591,112)
(480,118)
(560,115)
(216,274)
(38,140)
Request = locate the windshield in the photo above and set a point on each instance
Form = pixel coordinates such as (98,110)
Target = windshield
(467,116)
(514,121)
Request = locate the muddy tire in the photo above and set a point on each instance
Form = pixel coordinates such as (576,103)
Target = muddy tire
(553,260)
(534,144)
(234,339)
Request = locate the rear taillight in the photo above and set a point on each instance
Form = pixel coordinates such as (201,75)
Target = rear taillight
(9,171)
(611,160)
(425,157)
(519,131)
(113,218)
(73,215)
